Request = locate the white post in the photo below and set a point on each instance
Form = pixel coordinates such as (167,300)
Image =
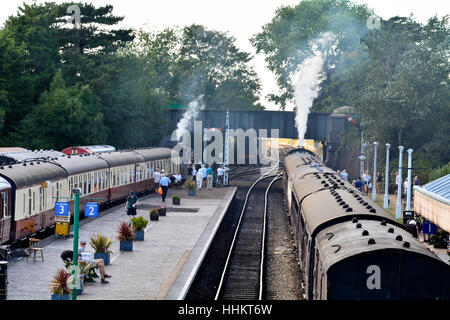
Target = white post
(374,177)
(361,163)
(408,196)
(386,179)
(398,209)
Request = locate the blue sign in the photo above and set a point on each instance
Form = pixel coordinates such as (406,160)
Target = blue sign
(91,210)
(429,228)
(61,208)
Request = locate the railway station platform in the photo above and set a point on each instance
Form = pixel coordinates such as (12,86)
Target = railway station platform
(160,267)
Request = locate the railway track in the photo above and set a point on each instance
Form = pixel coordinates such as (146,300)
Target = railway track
(243,274)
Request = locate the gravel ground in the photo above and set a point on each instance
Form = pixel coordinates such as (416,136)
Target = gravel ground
(283,275)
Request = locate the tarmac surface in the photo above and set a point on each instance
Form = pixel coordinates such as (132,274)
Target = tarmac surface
(160,267)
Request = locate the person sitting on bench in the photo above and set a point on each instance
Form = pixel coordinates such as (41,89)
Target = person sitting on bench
(93,262)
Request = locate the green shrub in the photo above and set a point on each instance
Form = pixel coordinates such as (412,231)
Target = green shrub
(139,223)
(100,243)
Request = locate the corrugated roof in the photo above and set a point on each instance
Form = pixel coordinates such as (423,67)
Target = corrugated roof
(440,186)
(438,189)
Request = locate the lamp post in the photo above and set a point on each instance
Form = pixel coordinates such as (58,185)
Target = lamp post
(408,196)
(386,179)
(398,209)
(374,183)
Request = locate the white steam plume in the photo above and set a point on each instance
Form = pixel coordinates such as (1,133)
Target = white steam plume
(306,83)
(190,114)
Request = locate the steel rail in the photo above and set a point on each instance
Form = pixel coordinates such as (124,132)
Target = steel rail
(219,288)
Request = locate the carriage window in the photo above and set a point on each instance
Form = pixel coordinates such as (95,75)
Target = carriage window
(5,204)
(29,201)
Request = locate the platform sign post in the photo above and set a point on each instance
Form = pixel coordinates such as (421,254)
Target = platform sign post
(76,217)
(61,209)
(91,210)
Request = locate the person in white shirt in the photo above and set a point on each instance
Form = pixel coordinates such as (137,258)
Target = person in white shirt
(156,177)
(344,174)
(199,179)
(220,176)
(194,173)
(204,174)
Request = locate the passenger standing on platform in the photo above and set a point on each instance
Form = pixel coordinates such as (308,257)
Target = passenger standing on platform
(220,176)
(156,178)
(379,183)
(164,182)
(199,178)
(358,184)
(132,202)
(209,177)
(204,175)
(194,173)
(344,174)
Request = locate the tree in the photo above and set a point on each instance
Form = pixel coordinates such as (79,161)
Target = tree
(64,116)
(210,64)
(29,58)
(288,39)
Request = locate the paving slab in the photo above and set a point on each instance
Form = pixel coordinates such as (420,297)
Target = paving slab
(160,267)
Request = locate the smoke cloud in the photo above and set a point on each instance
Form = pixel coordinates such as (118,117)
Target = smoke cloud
(189,115)
(307,81)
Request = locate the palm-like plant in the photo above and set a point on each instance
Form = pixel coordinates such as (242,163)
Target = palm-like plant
(59,283)
(125,232)
(100,243)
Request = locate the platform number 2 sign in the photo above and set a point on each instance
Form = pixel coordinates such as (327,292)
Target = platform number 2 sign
(91,210)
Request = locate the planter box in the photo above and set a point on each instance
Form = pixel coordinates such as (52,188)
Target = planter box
(61,296)
(102,255)
(162,211)
(176,201)
(126,245)
(191,192)
(154,217)
(139,235)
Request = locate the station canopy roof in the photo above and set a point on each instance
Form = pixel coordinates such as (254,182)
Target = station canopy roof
(438,189)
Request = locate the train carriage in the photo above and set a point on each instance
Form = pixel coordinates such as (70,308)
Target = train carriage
(89,173)
(5,209)
(155,158)
(35,188)
(348,247)
(122,177)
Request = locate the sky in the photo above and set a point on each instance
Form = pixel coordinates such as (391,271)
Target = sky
(240,18)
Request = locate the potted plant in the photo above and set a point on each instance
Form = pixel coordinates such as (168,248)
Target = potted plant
(190,186)
(83,267)
(101,243)
(125,236)
(176,200)
(162,210)
(154,215)
(139,224)
(59,287)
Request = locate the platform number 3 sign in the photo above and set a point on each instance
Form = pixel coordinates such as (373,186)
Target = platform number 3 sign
(91,210)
